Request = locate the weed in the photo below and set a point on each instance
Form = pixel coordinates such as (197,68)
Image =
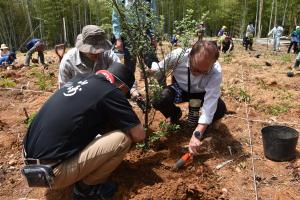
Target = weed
(284,94)
(276,109)
(7,82)
(286,57)
(261,83)
(239,94)
(227,58)
(254,65)
(30,119)
(44,80)
(164,129)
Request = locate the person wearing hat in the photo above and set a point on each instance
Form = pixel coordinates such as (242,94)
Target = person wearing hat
(250,31)
(222,31)
(8,59)
(4,50)
(32,46)
(295,40)
(201,31)
(64,133)
(91,53)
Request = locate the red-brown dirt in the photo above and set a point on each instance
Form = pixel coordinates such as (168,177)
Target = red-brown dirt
(274,98)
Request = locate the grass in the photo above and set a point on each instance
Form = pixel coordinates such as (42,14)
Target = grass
(261,83)
(30,119)
(286,57)
(44,80)
(227,58)
(254,65)
(7,82)
(276,109)
(239,94)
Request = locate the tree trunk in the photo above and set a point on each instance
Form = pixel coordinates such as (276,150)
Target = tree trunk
(271,15)
(261,4)
(29,19)
(243,19)
(275,13)
(284,14)
(256,17)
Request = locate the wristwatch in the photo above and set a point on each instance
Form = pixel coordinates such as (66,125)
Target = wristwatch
(198,135)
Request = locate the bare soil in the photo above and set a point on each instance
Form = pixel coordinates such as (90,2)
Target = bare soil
(252,90)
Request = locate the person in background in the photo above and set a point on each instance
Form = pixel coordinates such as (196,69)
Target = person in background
(174,39)
(276,32)
(250,31)
(4,50)
(297,62)
(91,53)
(32,46)
(295,40)
(8,59)
(225,44)
(122,44)
(222,31)
(201,31)
(197,76)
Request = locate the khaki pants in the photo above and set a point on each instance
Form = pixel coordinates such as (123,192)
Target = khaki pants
(95,162)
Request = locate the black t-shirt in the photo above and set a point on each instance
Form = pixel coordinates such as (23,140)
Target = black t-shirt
(74,115)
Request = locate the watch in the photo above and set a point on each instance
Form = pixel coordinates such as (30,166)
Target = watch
(198,135)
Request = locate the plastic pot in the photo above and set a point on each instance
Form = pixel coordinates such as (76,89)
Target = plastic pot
(279,142)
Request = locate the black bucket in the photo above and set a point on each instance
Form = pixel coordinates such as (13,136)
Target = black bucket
(279,142)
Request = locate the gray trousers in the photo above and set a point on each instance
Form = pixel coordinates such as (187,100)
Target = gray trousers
(29,55)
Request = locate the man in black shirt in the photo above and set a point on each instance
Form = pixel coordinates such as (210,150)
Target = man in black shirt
(63,133)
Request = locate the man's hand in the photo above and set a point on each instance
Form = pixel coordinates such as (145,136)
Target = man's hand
(195,143)
(137,133)
(119,44)
(138,98)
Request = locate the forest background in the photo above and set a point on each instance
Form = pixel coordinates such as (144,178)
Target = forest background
(21,20)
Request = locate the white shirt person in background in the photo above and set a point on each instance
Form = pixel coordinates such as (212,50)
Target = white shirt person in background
(276,32)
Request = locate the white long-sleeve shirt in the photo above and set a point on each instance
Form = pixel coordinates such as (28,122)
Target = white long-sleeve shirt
(276,31)
(209,83)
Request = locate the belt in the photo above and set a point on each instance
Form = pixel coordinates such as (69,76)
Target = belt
(32,161)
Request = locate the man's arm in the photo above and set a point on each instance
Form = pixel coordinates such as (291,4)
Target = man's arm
(137,133)
(212,94)
(172,59)
(119,111)
(65,73)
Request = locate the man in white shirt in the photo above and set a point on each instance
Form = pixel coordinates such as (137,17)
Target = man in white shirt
(276,32)
(196,75)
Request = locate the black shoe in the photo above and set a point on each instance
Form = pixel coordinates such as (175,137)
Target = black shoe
(94,192)
(175,118)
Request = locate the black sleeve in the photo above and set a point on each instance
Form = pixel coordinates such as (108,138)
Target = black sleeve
(118,110)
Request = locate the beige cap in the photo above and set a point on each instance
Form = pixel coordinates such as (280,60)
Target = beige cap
(92,40)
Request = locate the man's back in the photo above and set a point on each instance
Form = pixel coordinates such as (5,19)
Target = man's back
(74,115)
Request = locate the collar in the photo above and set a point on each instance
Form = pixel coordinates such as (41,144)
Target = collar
(78,59)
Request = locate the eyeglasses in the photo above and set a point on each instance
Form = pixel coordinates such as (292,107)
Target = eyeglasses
(197,71)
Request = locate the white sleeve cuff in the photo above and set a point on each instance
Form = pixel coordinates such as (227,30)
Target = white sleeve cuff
(204,120)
